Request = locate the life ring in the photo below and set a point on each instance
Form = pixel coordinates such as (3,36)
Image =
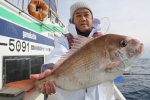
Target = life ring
(41,4)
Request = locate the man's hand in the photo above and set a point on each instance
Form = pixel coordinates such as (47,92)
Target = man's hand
(47,87)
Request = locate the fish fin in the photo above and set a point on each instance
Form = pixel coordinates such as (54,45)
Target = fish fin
(32,94)
(24,85)
(112,64)
(108,89)
(79,41)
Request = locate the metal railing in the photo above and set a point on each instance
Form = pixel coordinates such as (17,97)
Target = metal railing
(128,73)
(22,5)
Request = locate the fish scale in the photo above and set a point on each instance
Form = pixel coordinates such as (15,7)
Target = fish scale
(73,72)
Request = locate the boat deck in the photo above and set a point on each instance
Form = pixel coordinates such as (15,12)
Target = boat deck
(11,93)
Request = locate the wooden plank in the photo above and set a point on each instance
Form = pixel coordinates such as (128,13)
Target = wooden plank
(18,97)
(10,91)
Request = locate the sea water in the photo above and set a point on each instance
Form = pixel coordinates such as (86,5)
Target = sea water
(137,85)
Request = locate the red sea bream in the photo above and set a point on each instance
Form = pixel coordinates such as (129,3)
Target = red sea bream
(89,62)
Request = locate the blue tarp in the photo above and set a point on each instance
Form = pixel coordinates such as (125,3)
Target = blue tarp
(118,79)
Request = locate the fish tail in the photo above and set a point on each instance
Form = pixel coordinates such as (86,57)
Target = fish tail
(28,86)
(32,94)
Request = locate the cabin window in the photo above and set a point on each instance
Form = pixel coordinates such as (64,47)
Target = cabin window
(17,68)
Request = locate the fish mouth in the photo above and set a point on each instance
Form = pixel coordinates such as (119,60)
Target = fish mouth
(141,49)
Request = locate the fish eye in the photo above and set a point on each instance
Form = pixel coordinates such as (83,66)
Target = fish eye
(123,43)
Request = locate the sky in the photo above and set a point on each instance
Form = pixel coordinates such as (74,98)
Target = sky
(124,17)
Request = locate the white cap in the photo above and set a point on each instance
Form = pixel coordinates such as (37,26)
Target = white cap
(78,5)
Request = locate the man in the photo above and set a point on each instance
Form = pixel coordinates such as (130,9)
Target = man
(81,23)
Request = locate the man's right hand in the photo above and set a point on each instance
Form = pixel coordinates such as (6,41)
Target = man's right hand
(47,87)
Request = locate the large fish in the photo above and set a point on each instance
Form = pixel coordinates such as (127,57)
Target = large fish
(89,62)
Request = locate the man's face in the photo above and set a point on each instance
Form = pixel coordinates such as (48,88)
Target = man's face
(82,19)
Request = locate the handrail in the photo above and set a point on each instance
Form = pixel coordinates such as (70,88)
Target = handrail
(128,73)
(22,4)
(57,17)
(42,24)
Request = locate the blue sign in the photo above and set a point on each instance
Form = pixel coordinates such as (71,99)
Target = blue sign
(15,31)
